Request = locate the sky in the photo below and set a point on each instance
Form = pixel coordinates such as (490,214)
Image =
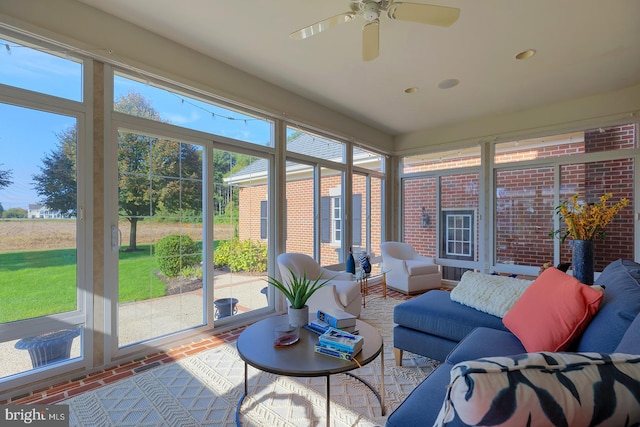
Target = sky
(27,135)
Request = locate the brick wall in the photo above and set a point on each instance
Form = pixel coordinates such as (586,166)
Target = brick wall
(300,219)
(524,204)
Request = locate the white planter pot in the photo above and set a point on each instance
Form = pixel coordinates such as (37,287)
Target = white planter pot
(299,316)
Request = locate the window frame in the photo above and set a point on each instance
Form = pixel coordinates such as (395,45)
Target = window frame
(81,315)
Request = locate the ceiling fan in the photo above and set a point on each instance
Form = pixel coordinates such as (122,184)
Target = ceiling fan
(371,10)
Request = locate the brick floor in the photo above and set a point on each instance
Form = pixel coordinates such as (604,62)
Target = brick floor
(67,389)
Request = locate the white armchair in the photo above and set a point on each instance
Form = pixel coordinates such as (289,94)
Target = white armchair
(407,271)
(342,291)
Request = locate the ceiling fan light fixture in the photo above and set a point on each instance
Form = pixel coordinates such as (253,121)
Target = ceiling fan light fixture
(525,54)
(370,11)
(448,83)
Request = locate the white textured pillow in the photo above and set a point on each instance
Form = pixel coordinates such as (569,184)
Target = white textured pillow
(543,389)
(488,293)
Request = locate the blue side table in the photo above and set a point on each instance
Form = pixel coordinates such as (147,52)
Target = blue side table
(50,347)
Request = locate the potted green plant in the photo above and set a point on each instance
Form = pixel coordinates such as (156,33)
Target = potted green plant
(297,290)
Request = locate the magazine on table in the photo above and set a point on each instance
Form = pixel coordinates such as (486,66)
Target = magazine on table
(341,340)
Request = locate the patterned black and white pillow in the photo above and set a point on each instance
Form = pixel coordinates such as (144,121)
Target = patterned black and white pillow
(550,389)
(365,263)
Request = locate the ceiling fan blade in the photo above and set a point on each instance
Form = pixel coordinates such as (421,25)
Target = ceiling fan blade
(441,16)
(370,41)
(325,24)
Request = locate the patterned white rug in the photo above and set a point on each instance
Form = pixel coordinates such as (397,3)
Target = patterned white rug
(204,389)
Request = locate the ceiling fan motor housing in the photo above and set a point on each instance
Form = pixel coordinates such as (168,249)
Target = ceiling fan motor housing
(371,11)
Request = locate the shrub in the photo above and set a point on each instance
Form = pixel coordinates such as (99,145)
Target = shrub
(175,252)
(237,255)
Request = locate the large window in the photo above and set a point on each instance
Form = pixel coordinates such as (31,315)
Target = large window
(186,110)
(524,214)
(42,210)
(53,73)
(526,196)
(530,178)
(132,228)
(441,199)
(160,217)
(194,248)
(592,180)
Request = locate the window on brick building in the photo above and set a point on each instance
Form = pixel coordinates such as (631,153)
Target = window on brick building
(458,234)
(336,219)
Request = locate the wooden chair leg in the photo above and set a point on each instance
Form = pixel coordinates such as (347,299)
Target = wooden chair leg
(397,354)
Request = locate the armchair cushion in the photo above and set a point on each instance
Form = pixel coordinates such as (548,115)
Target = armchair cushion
(419,268)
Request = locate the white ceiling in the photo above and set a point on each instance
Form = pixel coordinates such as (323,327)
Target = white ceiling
(583,47)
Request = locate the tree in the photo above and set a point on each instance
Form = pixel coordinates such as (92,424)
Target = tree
(155,174)
(5,178)
(5,181)
(56,182)
(15,213)
(223,163)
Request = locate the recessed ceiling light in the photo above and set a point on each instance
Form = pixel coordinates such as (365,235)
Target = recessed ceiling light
(448,83)
(411,90)
(525,54)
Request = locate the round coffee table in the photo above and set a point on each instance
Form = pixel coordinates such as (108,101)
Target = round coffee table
(255,347)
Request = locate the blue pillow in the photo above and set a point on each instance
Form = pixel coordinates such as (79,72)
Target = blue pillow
(630,342)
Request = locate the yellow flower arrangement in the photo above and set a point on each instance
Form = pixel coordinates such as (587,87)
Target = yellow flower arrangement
(586,221)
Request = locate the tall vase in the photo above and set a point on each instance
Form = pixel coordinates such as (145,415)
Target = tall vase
(350,266)
(582,260)
(299,316)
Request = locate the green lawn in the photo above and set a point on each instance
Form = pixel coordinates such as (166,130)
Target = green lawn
(38,283)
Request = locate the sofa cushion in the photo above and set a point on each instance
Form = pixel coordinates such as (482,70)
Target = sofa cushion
(553,311)
(421,407)
(630,342)
(434,313)
(485,342)
(560,389)
(620,305)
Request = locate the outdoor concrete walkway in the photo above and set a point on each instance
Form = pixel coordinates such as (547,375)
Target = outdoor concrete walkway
(142,320)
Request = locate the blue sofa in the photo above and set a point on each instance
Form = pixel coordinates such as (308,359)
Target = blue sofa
(434,326)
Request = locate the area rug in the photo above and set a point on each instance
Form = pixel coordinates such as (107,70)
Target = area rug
(204,389)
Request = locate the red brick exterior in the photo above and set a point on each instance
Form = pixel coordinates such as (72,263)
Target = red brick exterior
(525,210)
(300,219)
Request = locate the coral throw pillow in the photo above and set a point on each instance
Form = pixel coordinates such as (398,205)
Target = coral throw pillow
(553,311)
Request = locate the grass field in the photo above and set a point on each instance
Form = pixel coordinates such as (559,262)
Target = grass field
(41,282)
(38,283)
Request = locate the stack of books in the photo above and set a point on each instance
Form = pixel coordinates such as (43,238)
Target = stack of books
(338,343)
(337,319)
